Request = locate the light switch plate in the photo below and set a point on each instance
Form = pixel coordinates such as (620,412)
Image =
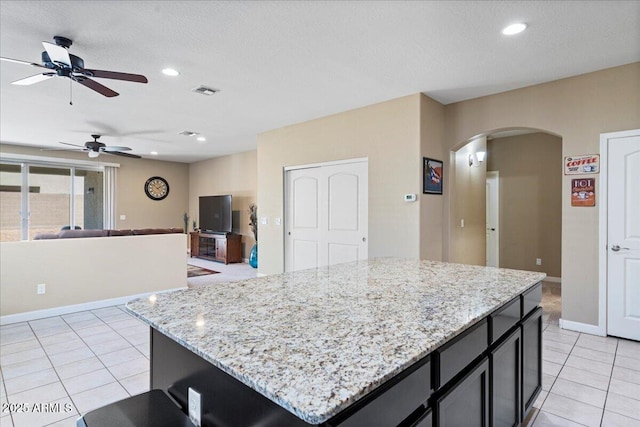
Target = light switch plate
(264,220)
(195,407)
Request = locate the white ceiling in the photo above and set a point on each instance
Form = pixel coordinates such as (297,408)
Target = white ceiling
(279,63)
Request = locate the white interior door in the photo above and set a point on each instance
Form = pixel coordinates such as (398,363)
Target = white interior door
(326,210)
(493,219)
(623,240)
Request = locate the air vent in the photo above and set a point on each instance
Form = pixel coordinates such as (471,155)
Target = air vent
(187,133)
(205,90)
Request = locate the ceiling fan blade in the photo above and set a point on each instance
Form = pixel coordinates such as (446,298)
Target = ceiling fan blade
(92,84)
(73,145)
(33,79)
(18,61)
(118,153)
(113,148)
(138,78)
(62,149)
(57,54)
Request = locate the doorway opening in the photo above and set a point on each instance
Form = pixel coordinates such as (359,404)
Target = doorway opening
(507,209)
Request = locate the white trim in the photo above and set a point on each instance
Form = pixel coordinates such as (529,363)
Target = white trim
(582,327)
(333,163)
(58,311)
(552,279)
(53,160)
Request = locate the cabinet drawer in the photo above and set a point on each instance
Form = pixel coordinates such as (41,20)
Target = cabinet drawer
(456,355)
(390,407)
(531,299)
(503,319)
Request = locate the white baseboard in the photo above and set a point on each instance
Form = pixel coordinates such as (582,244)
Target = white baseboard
(552,279)
(582,327)
(58,311)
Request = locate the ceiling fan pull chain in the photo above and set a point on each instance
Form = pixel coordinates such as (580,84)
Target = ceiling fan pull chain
(70,92)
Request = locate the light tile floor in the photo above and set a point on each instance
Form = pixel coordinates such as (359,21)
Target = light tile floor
(53,369)
(588,380)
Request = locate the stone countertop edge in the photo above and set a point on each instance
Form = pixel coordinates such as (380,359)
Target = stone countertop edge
(316,341)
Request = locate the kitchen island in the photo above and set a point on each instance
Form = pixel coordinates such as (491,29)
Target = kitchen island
(378,342)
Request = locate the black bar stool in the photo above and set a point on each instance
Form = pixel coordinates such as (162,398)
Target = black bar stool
(151,409)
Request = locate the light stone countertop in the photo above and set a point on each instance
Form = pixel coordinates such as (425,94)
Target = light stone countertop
(315,341)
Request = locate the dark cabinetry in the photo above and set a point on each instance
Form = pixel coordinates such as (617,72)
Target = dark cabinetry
(505,362)
(531,360)
(217,247)
(467,402)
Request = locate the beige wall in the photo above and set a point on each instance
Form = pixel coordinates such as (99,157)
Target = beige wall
(530,226)
(131,200)
(388,134)
(468,205)
(431,205)
(77,271)
(578,109)
(236,175)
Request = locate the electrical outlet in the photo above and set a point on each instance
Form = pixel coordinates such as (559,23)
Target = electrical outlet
(462,223)
(277,221)
(538,261)
(42,288)
(195,407)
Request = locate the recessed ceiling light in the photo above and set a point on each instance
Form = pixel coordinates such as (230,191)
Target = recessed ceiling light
(170,72)
(154,153)
(201,138)
(514,29)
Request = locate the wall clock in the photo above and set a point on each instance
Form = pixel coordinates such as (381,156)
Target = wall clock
(156,188)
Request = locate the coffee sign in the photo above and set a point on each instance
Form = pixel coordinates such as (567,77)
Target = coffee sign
(577,165)
(583,192)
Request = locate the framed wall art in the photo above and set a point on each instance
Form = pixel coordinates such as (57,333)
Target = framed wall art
(432,176)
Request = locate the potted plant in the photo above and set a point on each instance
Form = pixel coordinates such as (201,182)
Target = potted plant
(253,223)
(185,218)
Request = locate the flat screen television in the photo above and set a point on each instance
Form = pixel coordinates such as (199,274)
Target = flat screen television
(215,214)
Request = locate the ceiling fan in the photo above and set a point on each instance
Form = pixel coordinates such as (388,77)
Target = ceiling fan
(94,148)
(59,62)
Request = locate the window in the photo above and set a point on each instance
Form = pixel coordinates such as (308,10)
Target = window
(45,197)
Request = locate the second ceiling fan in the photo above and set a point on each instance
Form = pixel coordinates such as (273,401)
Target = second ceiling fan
(57,61)
(94,148)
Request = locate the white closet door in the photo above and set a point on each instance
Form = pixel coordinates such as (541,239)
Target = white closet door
(624,237)
(326,215)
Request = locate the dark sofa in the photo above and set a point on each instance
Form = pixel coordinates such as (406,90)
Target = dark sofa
(72,234)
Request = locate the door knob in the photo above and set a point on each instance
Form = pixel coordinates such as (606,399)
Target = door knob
(617,248)
(364,239)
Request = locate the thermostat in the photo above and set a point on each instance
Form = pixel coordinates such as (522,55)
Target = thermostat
(410,197)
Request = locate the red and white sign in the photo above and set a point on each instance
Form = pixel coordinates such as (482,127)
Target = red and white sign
(583,192)
(576,165)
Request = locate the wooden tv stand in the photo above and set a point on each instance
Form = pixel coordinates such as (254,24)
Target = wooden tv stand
(216,247)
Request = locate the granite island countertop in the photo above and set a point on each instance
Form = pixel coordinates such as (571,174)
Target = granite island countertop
(316,341)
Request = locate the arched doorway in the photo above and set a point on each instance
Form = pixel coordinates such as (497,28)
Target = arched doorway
(526,166)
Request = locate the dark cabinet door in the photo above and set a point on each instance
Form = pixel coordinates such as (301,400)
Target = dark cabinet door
(195,244)
(531,360)
(425,421)
(221,249)
(467,402)
(505,381)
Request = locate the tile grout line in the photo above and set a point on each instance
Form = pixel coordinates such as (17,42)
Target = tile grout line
(132,345)
(609,383)
(50,361)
